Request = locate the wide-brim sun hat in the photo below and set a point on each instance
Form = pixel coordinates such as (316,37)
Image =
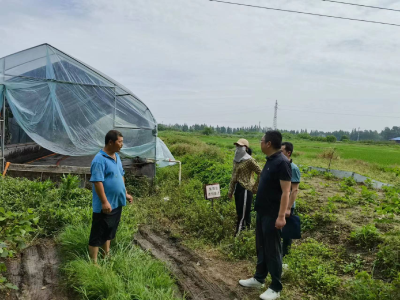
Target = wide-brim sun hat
(242,142)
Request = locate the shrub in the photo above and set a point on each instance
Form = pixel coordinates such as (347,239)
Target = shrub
(331,139)
(328,175)
(368,195)
(366,288)
(344,138)
(367,236)
(241,247)
(348,181)
(207,130)
(388,257)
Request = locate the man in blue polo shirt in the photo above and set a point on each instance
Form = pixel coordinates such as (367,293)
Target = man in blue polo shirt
(109,194)
(287,150)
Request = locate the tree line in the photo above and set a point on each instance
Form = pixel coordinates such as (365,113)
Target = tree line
(354,135)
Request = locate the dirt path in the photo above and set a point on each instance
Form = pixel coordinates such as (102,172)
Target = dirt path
(35,272)
(199,278)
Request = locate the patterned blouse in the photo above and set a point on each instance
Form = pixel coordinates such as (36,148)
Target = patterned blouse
(243,173)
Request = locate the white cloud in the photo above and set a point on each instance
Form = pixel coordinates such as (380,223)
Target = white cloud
(185,58)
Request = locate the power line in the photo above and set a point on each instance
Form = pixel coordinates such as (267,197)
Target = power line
(362,5)
(305,13)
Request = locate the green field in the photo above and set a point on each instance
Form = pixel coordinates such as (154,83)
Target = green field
(380,162)
(350,246)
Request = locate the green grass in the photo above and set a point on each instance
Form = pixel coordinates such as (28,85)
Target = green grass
(129,273)
(380,162)
(66,211)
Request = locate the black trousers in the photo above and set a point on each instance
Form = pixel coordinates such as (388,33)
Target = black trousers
(287,243)
(269,252)
(243,201)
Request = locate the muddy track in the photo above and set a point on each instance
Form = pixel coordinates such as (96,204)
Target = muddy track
(35,273)
(197,278)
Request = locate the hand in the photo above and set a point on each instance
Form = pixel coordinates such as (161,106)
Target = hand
(106,207)
(288,213)
(280,222)
(129,198)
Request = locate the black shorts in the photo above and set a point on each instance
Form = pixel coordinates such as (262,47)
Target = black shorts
(104,227)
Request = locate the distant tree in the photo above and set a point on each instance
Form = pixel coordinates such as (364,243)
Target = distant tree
(331,139)
(207,130)
(344,138)
(185,128)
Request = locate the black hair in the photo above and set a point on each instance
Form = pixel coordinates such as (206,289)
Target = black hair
(112,135)
(275,137)
(249,151)
(288,147)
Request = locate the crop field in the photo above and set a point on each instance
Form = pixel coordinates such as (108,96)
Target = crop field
(381,162)
(171,244)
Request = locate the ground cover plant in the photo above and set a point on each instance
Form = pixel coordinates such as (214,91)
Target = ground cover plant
(351,233)
(345,225)
(31,211)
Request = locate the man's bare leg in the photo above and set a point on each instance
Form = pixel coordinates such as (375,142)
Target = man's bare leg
(106,248)
(93,251)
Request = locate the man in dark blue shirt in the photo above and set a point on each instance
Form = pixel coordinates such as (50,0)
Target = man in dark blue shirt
(271,204)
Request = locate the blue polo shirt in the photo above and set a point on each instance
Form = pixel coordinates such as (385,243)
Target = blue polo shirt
(110,172)
(295,176)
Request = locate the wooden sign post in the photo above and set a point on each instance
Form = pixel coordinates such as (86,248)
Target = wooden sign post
(211,192)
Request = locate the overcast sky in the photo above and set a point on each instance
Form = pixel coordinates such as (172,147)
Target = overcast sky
(196,61)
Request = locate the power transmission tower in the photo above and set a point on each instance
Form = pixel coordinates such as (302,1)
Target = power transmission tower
(276,115)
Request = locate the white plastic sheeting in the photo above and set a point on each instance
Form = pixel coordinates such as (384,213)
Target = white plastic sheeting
(68,107)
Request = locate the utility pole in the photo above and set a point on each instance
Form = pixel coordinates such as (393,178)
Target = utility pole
(276,115)
(358,137)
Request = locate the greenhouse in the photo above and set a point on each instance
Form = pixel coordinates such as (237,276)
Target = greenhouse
(67,107)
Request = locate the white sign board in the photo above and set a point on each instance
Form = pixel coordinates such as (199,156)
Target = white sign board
(213,191)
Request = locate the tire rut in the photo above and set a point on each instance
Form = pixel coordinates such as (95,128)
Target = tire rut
(196,278)
(35,273)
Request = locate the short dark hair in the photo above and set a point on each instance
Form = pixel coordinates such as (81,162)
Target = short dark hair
(288,147)
(275,137)
(112,135)
(249,151)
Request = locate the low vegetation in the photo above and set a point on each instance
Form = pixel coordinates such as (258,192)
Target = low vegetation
(349,250)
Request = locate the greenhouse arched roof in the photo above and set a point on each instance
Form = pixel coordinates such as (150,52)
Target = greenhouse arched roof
(66,106)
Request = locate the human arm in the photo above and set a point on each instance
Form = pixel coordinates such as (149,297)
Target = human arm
(285,178)
(233,182)
(292,198)
(280,221)
(105,205)
(256,169)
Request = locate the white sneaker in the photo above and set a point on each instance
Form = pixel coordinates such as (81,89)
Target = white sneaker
(270,295)
(251,283)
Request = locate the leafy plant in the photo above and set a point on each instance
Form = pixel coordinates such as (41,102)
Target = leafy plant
(304,186)
(14,229)
(312,268)
(356,265)
(366,288)
(367,236)
(388,257)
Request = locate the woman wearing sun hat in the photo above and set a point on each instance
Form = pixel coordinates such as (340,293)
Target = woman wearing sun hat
(242,184)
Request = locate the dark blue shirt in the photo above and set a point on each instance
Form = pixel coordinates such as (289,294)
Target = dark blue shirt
(110,172)
(268,200)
